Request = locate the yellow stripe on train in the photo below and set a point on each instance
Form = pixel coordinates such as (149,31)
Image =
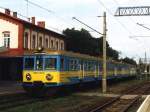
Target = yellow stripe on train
(63,77)
(41,76)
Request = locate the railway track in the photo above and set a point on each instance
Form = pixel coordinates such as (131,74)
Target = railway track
(119,104)
(15,100)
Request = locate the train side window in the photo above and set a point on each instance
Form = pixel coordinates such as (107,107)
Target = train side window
(85,66)
(62,64)
(90,66)
(29,63)
(73,64)
(50,63)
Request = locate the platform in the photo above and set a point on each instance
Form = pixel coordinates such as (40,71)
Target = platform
(10,87)
(145,107)
(110,95)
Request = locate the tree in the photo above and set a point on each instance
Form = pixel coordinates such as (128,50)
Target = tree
(129,60)
(82,42)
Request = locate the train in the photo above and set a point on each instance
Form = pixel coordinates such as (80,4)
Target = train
(45,70)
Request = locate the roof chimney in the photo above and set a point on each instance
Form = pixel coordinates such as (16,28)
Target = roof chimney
(7,11)
(15,14)
(28,19)
(41,24)
(33,20)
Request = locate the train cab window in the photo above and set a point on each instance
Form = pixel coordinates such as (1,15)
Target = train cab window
(29,63)
(62,64)
(50,63)
(39,63)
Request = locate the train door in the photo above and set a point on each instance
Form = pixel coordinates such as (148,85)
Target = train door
(82,68)
(115,71)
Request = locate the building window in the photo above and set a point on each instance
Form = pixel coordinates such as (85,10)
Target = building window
(62,46)
(40,42)
(7,42)
(33,42)
(46,43)
(52,44)
(26,40)
(6,36)
(57,45)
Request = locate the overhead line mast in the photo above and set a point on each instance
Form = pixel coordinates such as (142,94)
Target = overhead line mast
(133,11)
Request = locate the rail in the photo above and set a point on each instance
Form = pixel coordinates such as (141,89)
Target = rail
(122,105)
(145,105)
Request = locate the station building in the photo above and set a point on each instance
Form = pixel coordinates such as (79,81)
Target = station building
(18,36)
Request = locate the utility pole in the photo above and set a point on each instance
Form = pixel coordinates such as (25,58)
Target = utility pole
(145,63)
(104,77)
(146,72)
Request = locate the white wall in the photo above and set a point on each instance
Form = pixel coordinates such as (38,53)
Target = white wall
(13,28)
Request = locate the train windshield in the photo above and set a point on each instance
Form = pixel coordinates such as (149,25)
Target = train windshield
(29,63)
(50,63)
(40,62)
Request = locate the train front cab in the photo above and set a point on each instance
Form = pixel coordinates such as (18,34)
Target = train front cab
(41,71)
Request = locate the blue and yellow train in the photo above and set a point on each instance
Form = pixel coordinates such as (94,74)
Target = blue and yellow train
(60,68)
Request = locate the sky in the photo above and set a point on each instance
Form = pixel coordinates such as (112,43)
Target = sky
(121,31)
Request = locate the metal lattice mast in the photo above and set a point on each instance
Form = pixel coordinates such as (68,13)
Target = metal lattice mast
(133,11)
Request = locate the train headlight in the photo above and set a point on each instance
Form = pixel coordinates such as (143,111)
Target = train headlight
(49,77)
(28,76)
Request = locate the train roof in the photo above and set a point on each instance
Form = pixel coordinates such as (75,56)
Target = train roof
(64,53)
(70,54)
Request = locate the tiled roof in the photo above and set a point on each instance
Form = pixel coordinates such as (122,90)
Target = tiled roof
(29,24)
